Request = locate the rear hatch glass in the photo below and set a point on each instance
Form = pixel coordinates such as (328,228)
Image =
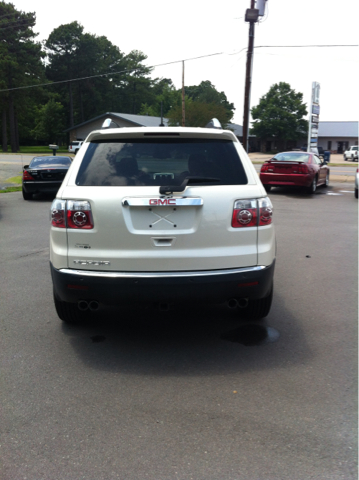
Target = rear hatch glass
(45,168)
(285,162)
(157,162)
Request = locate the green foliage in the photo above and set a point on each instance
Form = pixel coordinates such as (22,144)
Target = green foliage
(164,92)
(110,80)
(20,65)
(95,77)
(197,114)
(205,92)
(279,114)
(49,122)
(202,103)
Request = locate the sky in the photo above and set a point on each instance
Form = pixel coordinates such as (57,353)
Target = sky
(174,31)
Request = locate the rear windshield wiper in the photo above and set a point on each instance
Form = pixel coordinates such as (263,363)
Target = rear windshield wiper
(168,189)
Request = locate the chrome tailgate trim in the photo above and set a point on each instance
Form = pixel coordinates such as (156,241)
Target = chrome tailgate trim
(203,273)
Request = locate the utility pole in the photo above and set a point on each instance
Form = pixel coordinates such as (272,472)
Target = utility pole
(183,98)
(251,17)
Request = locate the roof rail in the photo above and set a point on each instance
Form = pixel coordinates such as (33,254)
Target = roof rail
(214,123)
(109,123)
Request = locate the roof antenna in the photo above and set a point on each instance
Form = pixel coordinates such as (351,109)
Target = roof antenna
(214,123)
(109,123)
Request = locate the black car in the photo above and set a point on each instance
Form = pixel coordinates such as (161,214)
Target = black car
(44,175)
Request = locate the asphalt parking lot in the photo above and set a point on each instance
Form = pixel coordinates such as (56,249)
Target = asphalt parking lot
(190,393)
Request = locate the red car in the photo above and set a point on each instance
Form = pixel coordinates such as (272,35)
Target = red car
(297,169)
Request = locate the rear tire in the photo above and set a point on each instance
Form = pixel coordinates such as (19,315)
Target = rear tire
(356,193)
(68,312)
(267,188)
(313,187)
(326,184)
(258,308)
(26,195)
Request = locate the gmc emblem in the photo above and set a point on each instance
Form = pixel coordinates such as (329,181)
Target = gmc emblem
(162,201)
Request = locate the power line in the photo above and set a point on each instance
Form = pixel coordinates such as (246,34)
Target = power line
(106,74)
(302,46)
(165,64)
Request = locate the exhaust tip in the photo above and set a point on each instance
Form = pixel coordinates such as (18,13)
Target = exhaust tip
(93,305)
(82,305)
(232,303)
(243,302)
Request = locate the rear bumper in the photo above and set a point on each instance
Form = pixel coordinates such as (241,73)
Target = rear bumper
(298,180)
(42,186)
(111,288)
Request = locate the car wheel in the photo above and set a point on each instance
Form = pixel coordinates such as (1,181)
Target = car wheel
(68,312)
(345,158)
(26,195)
(326,184)
(258,308)
(267,188)
(313,186)
(356,193)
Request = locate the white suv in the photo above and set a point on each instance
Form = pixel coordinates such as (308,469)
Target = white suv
(161,216)
(75,146)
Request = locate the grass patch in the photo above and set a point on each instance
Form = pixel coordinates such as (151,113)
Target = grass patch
(14,180)
(40,149)
(11,189)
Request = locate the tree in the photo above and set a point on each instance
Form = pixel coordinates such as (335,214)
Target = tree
(62,52)
(20,65)
(49,122)
(197,114)
(110,80)
(135,86)
(279,115)
(165,95)
(205,92)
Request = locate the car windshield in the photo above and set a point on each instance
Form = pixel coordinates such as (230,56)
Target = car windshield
(50,162)
(291,157)
(159,162)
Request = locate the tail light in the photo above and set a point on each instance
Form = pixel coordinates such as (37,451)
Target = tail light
(245,213)
(79,214)
(252,213)
(264,167)
(71,214)
(58,209)
(26,176)
(265,211)
(303,168)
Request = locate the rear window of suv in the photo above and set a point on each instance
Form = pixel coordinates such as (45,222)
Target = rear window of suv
(145,162)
